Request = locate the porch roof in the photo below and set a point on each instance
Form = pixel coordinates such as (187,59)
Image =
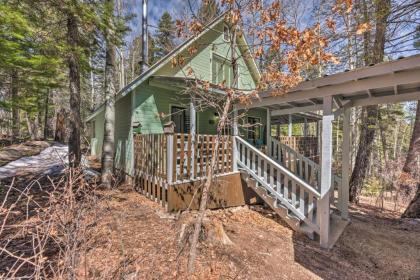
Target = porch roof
(296,118)
(387,82)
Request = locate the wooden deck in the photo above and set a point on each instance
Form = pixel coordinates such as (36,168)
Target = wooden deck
(169,168)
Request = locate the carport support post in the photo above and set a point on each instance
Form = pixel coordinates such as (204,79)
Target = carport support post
(268,137)
(345,166)
(290,126)
(326,164)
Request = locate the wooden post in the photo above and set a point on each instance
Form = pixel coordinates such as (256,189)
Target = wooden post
(326,164)
(193,133)
(290,126)
(235,133)
(169,156)
(318,138)
(268,133)
(345,165)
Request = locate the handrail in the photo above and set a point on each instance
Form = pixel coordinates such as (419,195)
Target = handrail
(282,168)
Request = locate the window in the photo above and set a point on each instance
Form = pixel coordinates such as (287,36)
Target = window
(226,33)
(180,116)
(221,70)
(254,131)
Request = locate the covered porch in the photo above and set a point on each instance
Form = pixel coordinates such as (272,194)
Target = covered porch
(388,82)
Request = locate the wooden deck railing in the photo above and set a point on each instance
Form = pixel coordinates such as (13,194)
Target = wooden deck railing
(161,160)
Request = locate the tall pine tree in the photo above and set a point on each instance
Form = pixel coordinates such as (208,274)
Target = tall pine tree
(165,35)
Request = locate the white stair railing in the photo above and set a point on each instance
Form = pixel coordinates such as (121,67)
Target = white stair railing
(305,168)
(294,193)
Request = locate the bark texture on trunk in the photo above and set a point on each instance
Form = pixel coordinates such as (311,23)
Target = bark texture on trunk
(361,166)
(224,118)
(411,160)
(367,134)
(46,116)
(411,167)
(60,126)
(14,90)
(74,89)
(109,131)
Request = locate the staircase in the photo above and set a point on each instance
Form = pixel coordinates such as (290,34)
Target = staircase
(287,194)
(306,169)
(292,192)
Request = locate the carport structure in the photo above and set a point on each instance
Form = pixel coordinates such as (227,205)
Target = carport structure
(334,95)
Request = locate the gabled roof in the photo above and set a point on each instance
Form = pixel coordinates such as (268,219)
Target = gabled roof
(242,44)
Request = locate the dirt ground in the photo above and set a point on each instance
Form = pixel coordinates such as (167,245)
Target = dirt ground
(136,235)
(133,237)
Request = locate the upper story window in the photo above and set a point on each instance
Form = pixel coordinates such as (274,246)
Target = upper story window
(226,33)
(221,70)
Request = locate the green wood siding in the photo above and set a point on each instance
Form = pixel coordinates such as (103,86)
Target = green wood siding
(211,43)
(153,102)
(257,113)
(123,133)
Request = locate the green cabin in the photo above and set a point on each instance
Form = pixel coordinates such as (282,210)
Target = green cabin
(159,91)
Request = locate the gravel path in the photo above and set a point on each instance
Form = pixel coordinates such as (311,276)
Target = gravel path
(50,161)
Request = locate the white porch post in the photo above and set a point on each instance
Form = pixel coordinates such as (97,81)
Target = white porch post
(345,165)
(268,132)
(290,126)
(169,155)
(193,118)
(326,164)
(235,133)
(318,137)
(305,127)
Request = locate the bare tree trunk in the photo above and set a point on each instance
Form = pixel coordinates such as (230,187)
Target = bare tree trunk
(382,129)
(31,126)
(367,135)
(74,89)
(209,176)
(60,126)
(14,90)
(361,165)
(46,115)
(108,144)
(413,151)
(206,188)
(411,166)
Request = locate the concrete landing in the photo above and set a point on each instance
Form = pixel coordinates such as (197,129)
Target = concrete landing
(337,226)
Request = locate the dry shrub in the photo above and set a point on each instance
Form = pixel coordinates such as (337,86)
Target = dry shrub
(44,226)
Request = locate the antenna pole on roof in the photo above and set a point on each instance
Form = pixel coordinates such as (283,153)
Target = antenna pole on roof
(144,40)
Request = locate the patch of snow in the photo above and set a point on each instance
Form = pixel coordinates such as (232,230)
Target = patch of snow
(51,160)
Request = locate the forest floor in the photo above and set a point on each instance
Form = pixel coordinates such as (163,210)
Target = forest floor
(134,237)
(375,245)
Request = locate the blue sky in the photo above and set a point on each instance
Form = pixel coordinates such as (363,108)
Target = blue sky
(155,10)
